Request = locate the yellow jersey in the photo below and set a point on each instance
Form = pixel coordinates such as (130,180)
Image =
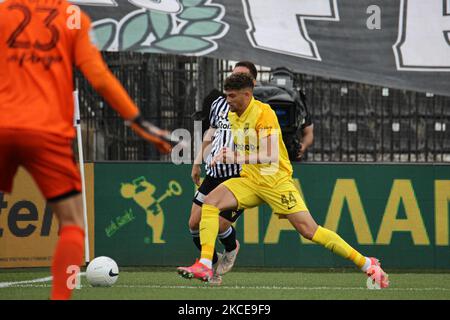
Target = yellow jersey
(259,121)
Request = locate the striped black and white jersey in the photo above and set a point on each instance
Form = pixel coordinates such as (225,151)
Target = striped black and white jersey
(223,138)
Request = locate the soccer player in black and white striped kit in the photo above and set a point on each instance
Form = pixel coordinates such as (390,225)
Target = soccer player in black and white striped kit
(217,137)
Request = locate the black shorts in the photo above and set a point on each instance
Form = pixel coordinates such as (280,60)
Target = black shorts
(208,185)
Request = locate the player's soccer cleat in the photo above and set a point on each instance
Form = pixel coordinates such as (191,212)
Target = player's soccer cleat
(377,274)
(227,261)
(197,270)
(216,280)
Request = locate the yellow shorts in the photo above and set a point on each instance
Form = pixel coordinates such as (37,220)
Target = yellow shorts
(283,198)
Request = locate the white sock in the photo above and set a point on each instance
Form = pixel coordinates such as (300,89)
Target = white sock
(206,262)
(366,265)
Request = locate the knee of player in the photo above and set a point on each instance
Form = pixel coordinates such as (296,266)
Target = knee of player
(308,231)
(305,229)
(193,223)
(212,200)
(71,221)
(307,234)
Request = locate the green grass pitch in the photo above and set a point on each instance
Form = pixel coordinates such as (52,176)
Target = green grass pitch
(240,284)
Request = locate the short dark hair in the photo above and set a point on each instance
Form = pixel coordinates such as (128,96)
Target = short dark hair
(239,81)
(250,66)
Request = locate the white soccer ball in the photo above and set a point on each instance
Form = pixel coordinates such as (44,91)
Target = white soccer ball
(102,272)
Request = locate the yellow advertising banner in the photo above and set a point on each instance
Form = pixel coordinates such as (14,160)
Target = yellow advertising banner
(28,228)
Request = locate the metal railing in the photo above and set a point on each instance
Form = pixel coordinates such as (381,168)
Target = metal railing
(162,86)
(353,122)
(356,122)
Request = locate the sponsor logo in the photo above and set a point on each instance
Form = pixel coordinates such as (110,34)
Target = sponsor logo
(223,125)
(142,192)
(112,274)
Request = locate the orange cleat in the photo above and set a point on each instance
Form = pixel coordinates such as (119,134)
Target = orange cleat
(380,279)
(197,270)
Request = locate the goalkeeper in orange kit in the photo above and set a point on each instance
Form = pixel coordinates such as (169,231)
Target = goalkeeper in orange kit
(38,51)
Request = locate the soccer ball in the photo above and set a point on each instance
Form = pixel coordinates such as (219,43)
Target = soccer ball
(102,272)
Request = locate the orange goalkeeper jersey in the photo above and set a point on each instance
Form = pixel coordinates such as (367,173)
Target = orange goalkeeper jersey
(40,42)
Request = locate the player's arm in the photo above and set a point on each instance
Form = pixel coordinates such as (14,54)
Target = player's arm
(201,155)
(307,140)
(89,60)
(206,146)
(307,128)
(210,101)
(207,137)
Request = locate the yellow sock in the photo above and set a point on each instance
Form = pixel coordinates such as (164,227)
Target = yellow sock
(209,228)
(336,244)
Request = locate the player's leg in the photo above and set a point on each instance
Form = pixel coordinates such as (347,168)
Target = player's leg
(70,247)
(9,162)
(50,161)
(227,233)
(231,194)
(217,200)
(220,199)
(286,200)
(69,211)
(208,185)
(304,223)
(227,236)
(194,222)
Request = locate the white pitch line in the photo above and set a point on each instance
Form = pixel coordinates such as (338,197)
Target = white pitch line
(272,288)
(29,282)
(31,285)
(10,284)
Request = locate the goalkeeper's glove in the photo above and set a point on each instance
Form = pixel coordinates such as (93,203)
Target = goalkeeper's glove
(159,137)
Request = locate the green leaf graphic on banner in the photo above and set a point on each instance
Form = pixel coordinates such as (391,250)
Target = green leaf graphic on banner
(161,23)
(199,13)
(134,31)
(183,43)
(203,28)
(104,34)
(150,49)
(159,32)
(191,3)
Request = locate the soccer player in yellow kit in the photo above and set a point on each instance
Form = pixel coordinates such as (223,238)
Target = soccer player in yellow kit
(266,176)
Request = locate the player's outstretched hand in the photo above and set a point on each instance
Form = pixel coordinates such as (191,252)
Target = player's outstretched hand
(160,138)
(301,151)
(195,174)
